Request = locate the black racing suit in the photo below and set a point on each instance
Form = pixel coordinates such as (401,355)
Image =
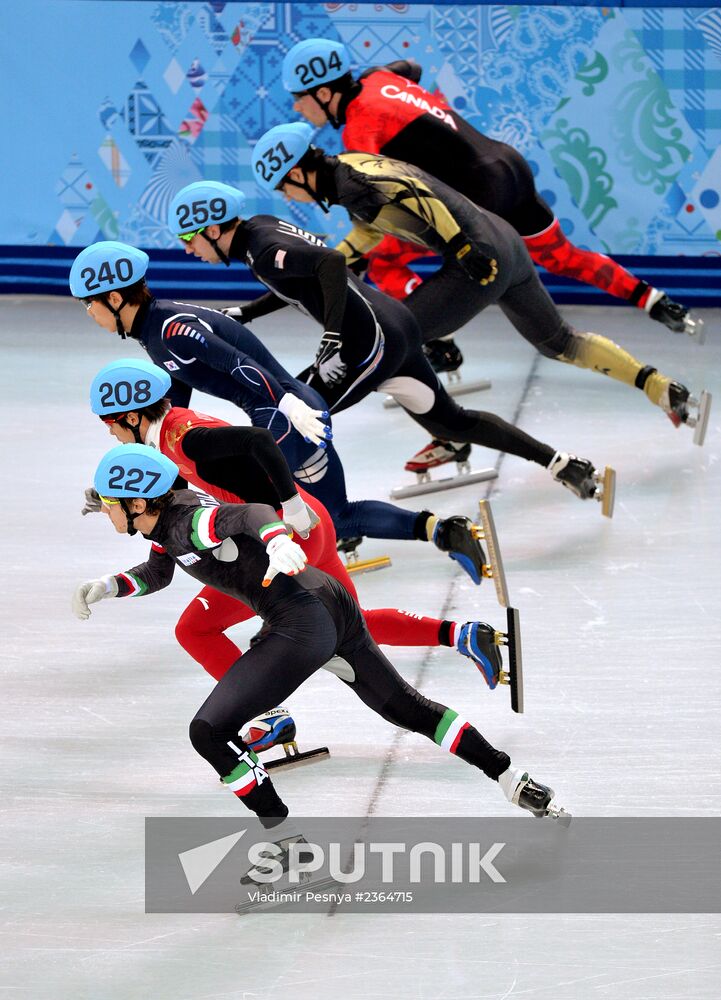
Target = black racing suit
(308,618)
(379,340)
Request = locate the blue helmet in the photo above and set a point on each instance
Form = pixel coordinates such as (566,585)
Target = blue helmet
(106,267)
(313,63)
(135,471)
(128,384)
(277,151)
(204,203)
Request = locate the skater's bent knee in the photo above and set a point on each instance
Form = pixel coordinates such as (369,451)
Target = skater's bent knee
(201,736)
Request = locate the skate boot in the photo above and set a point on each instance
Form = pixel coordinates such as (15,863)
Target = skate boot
(269,730)
(582,479)
(675,316)
(523,791)
(477,641)
(438,453)
(458,536)
(277,728)
(683,408)
(443,355)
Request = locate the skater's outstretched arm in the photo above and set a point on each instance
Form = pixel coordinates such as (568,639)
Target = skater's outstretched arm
(231,445)
(148,577)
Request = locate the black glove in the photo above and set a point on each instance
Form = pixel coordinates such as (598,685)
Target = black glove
(328,362)
(477,265)
(359,267)
(236,313)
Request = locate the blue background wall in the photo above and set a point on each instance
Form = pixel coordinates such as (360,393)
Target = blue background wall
(117,105)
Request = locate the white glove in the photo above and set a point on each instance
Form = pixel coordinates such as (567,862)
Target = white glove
(284,557)
(328,361)
(235,312)
(299,516)
(91,592)
(93,503)
(305,420)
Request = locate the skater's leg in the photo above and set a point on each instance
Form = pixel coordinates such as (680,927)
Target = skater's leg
(201,627)
(267,674)
(449,299)
(381,687)
(392,627)
(551,248)
(531,310)
(417,389)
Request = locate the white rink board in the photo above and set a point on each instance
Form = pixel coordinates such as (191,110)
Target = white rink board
(621,634)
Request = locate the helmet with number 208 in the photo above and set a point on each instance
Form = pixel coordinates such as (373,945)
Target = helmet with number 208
(128,384)
(135,471)
(204,203)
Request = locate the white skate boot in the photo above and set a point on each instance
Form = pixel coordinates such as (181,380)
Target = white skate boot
(520,789)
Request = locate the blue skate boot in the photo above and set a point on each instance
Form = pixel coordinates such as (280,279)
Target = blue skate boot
(269,730)
(477,641)
(277,728)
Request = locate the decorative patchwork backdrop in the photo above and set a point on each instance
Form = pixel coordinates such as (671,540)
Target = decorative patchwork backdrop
(118,105)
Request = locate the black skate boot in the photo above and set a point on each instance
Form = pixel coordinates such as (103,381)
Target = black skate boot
(280,857)
(676,317)
(577,474)
(443,355)
(438,453)
(683,408)
(458,536)
(519,788)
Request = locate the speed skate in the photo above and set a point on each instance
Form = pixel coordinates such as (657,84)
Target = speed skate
(435,454)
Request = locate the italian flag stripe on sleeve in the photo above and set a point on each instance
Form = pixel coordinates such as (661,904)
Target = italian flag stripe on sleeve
(449,731)
(203,534)
(136,587)
(269,531)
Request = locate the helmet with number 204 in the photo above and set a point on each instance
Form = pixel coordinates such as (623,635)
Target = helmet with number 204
(128,384)
(314,62)
(135,470)
(204,203)
(106,267)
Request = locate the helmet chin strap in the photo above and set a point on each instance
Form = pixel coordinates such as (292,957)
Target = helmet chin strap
(116,313)
(334,120)
(134,428)
(305,186)
(130,518)
(214,243)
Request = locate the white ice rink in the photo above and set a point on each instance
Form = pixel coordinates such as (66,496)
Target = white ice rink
(622,644)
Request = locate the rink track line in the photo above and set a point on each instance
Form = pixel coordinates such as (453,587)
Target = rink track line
(390,756)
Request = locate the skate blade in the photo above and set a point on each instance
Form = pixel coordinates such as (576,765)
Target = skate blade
(514,675)
(562,817)
(607,492)
(495,570)
(357,566)
(696,329)
(704,411)
(427,485)
(294,757)
(457,388)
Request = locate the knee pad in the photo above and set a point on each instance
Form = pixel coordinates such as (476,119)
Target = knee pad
(201,735)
